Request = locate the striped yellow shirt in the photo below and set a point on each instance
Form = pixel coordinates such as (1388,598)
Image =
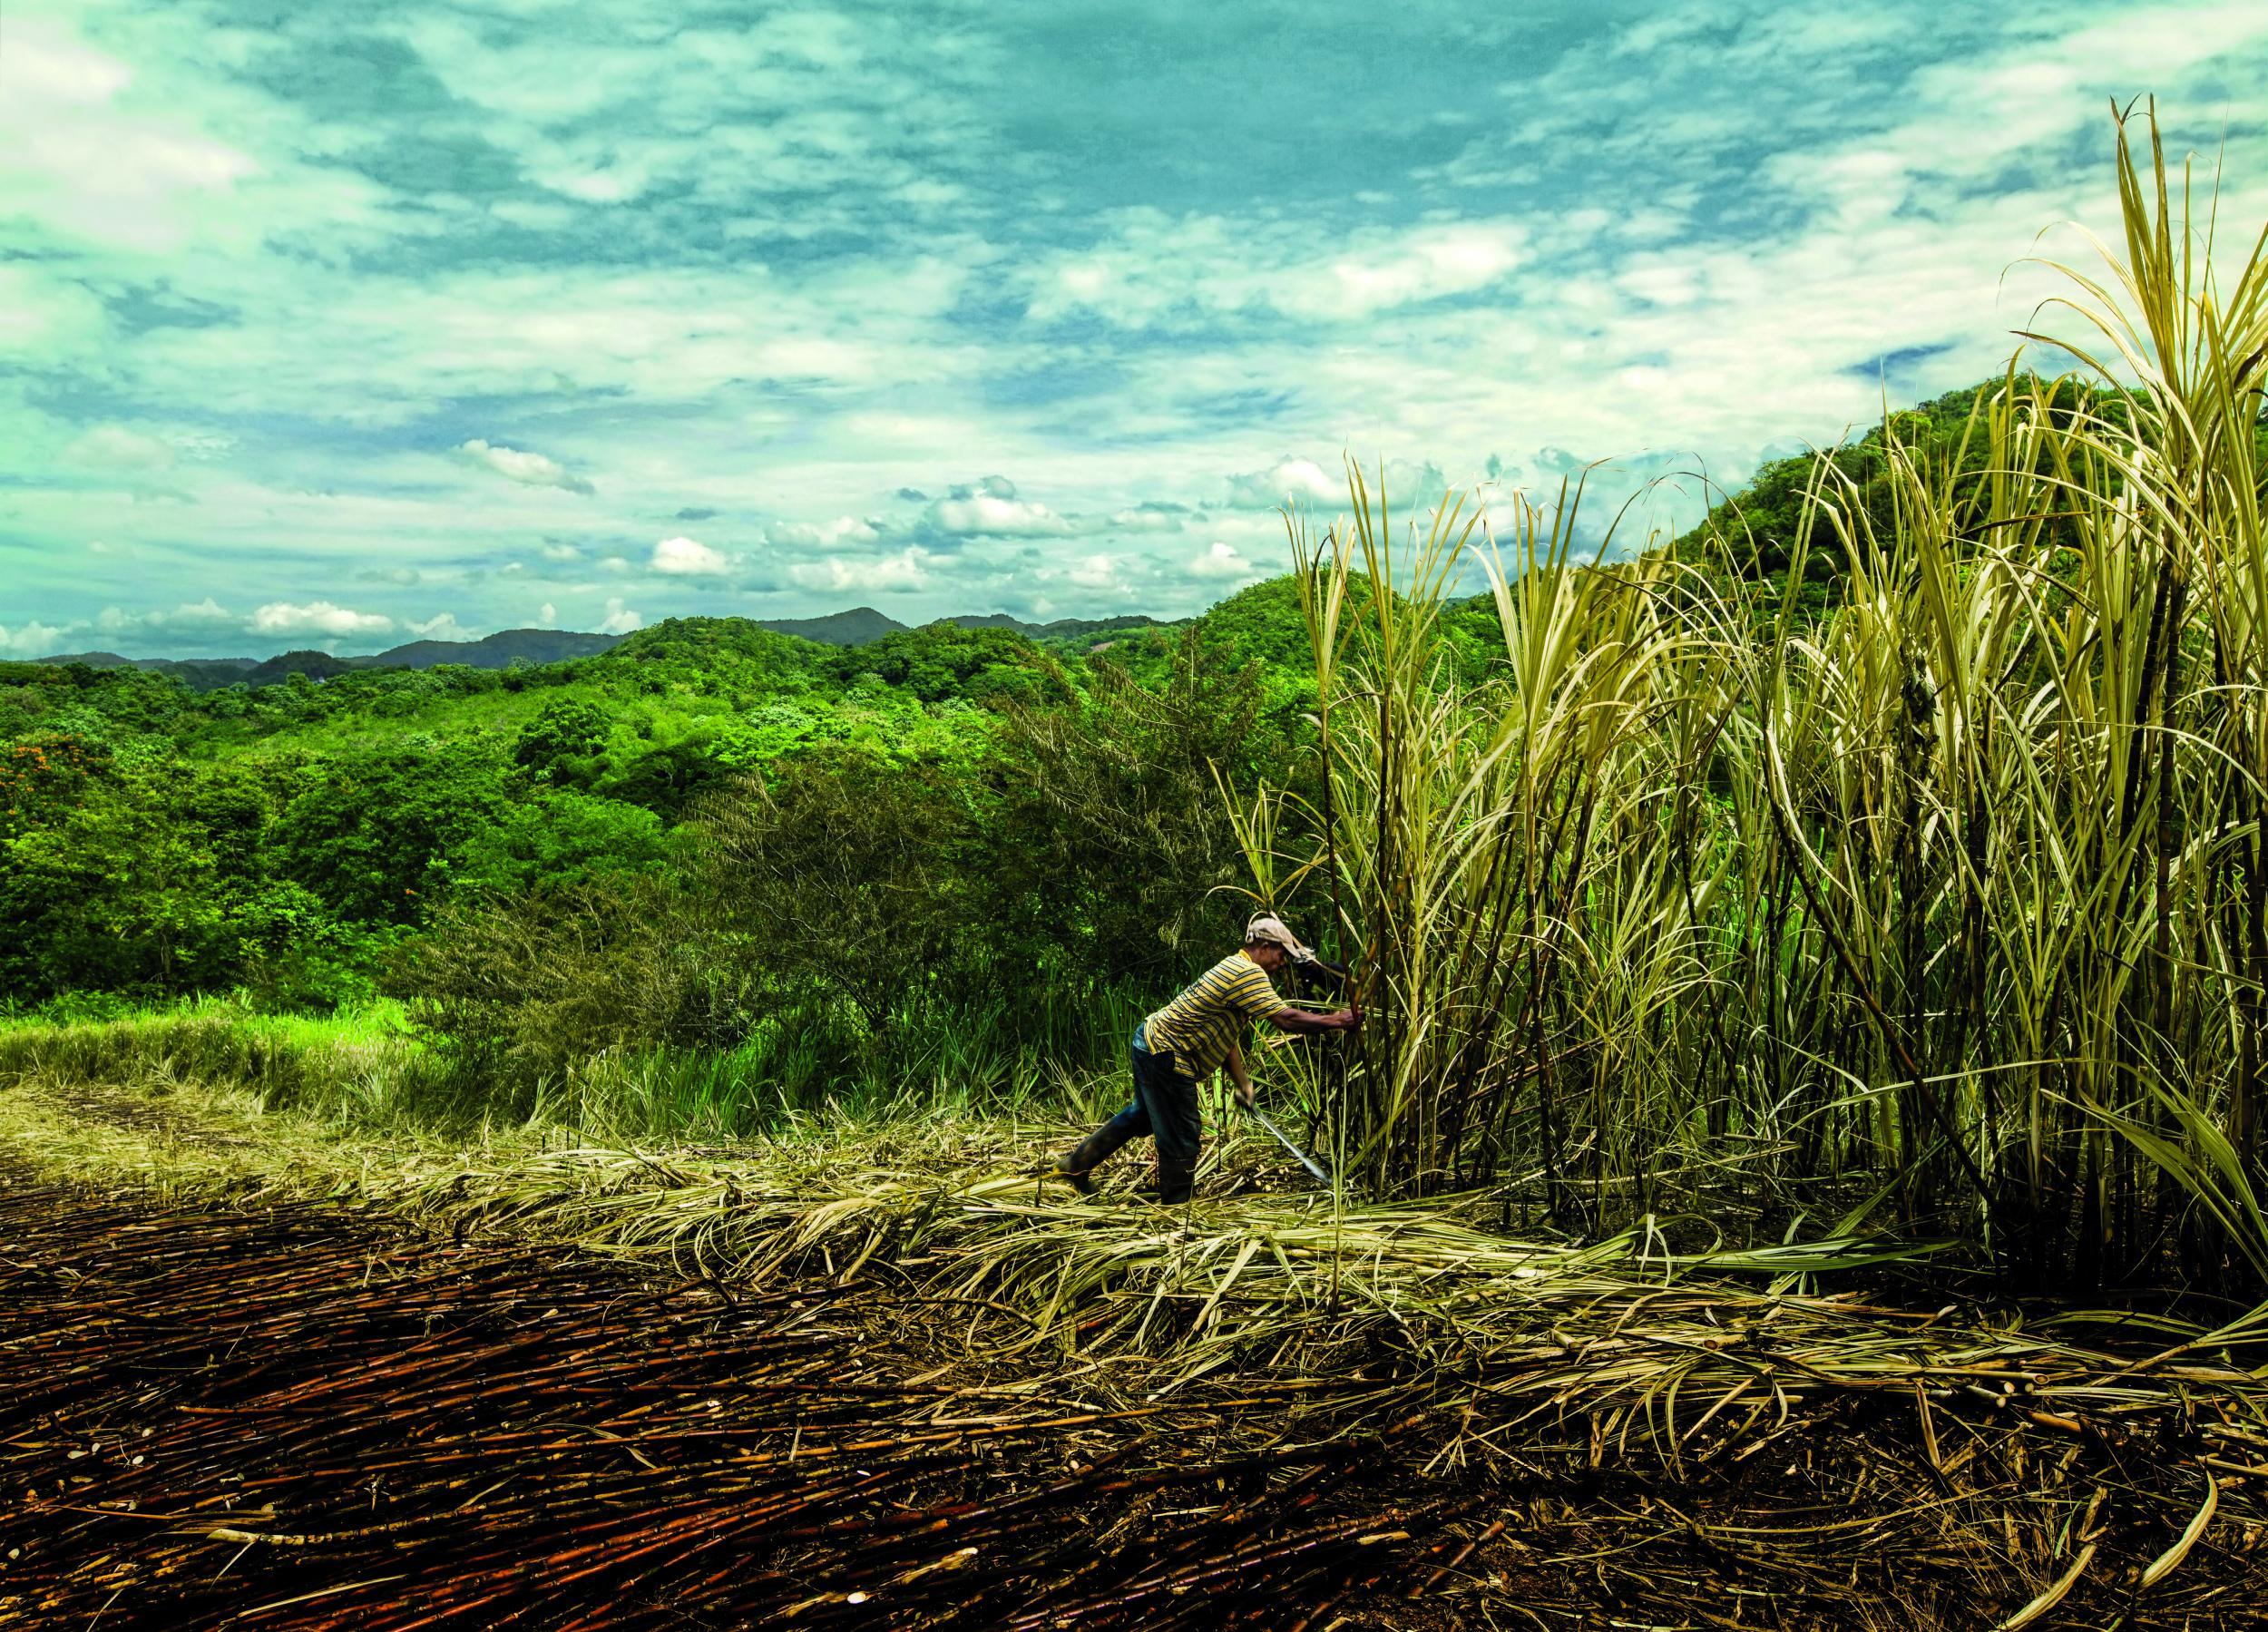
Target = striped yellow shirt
(1201,1025)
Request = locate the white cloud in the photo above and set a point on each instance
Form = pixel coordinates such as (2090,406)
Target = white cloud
(90,168)
(64,318)
(515,464)
(983,516)
(441,627)
(543,217)
(618,620)
(560,553)
(1144,519)
(316,618)
(1155,269)
(206,613)
(1408,486)
(991,508)
(375,348)
(34,640)
(1424,265)
(1222,560)
(905,570)
(200,445)
(682,557)
(808,102)
(844,532)
(115,447)
(1404,484)
(1288,479)
(2042,93)
(1097,572)
(547,614)
(207,616)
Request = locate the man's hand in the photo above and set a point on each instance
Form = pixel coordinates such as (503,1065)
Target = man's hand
(1348,1018)
(1245,1097)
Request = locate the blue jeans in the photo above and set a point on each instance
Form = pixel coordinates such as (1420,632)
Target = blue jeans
(1165,1107)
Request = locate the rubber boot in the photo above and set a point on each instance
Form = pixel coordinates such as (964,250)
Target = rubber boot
(1076,1164)
(1176,1182)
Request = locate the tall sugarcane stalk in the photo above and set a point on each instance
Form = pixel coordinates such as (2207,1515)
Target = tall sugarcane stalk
(1956,890)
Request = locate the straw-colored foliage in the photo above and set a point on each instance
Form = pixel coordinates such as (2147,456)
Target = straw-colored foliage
(1957,895)
(1945,916)
(2011,1449)
(1455,1310)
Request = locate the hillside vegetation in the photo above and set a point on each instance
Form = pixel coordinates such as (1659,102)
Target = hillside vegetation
(678,838)
(951,859)
(530,648)
(1885,849)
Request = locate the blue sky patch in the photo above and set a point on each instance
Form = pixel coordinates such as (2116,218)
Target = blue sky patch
(347,325)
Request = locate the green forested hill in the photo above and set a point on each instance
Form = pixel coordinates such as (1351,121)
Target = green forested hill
(529,648)
(293,832)
(501,650)
(288,836)
(709,799)
(1762,528)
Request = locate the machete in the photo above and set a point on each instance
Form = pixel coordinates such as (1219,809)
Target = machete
(1305,1160)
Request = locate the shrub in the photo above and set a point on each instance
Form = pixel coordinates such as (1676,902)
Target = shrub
(517,992)
(854,875)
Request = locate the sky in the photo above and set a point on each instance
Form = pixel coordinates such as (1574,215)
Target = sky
(346,325)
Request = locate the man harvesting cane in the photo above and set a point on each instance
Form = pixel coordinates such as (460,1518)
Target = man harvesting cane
(1190,1038)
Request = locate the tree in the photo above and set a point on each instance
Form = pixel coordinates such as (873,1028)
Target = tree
(941,660)
(561,838)
(377,836)
(1111,836)
(564,731)
(153,880)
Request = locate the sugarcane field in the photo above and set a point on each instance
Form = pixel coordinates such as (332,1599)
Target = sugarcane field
(1670,1032)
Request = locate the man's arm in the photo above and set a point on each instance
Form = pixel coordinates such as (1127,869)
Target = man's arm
(1237,1074)
(1301,1023)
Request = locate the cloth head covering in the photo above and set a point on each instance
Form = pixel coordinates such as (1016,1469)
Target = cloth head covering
(1273,930)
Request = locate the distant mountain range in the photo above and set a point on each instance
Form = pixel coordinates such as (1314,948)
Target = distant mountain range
(1063,629)
(863,624)
(499,650)
(205,674)
(857,627)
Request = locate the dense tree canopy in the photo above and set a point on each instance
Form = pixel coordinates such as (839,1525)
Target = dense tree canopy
(1046,804)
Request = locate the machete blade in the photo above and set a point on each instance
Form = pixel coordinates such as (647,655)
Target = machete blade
(1303,1160)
